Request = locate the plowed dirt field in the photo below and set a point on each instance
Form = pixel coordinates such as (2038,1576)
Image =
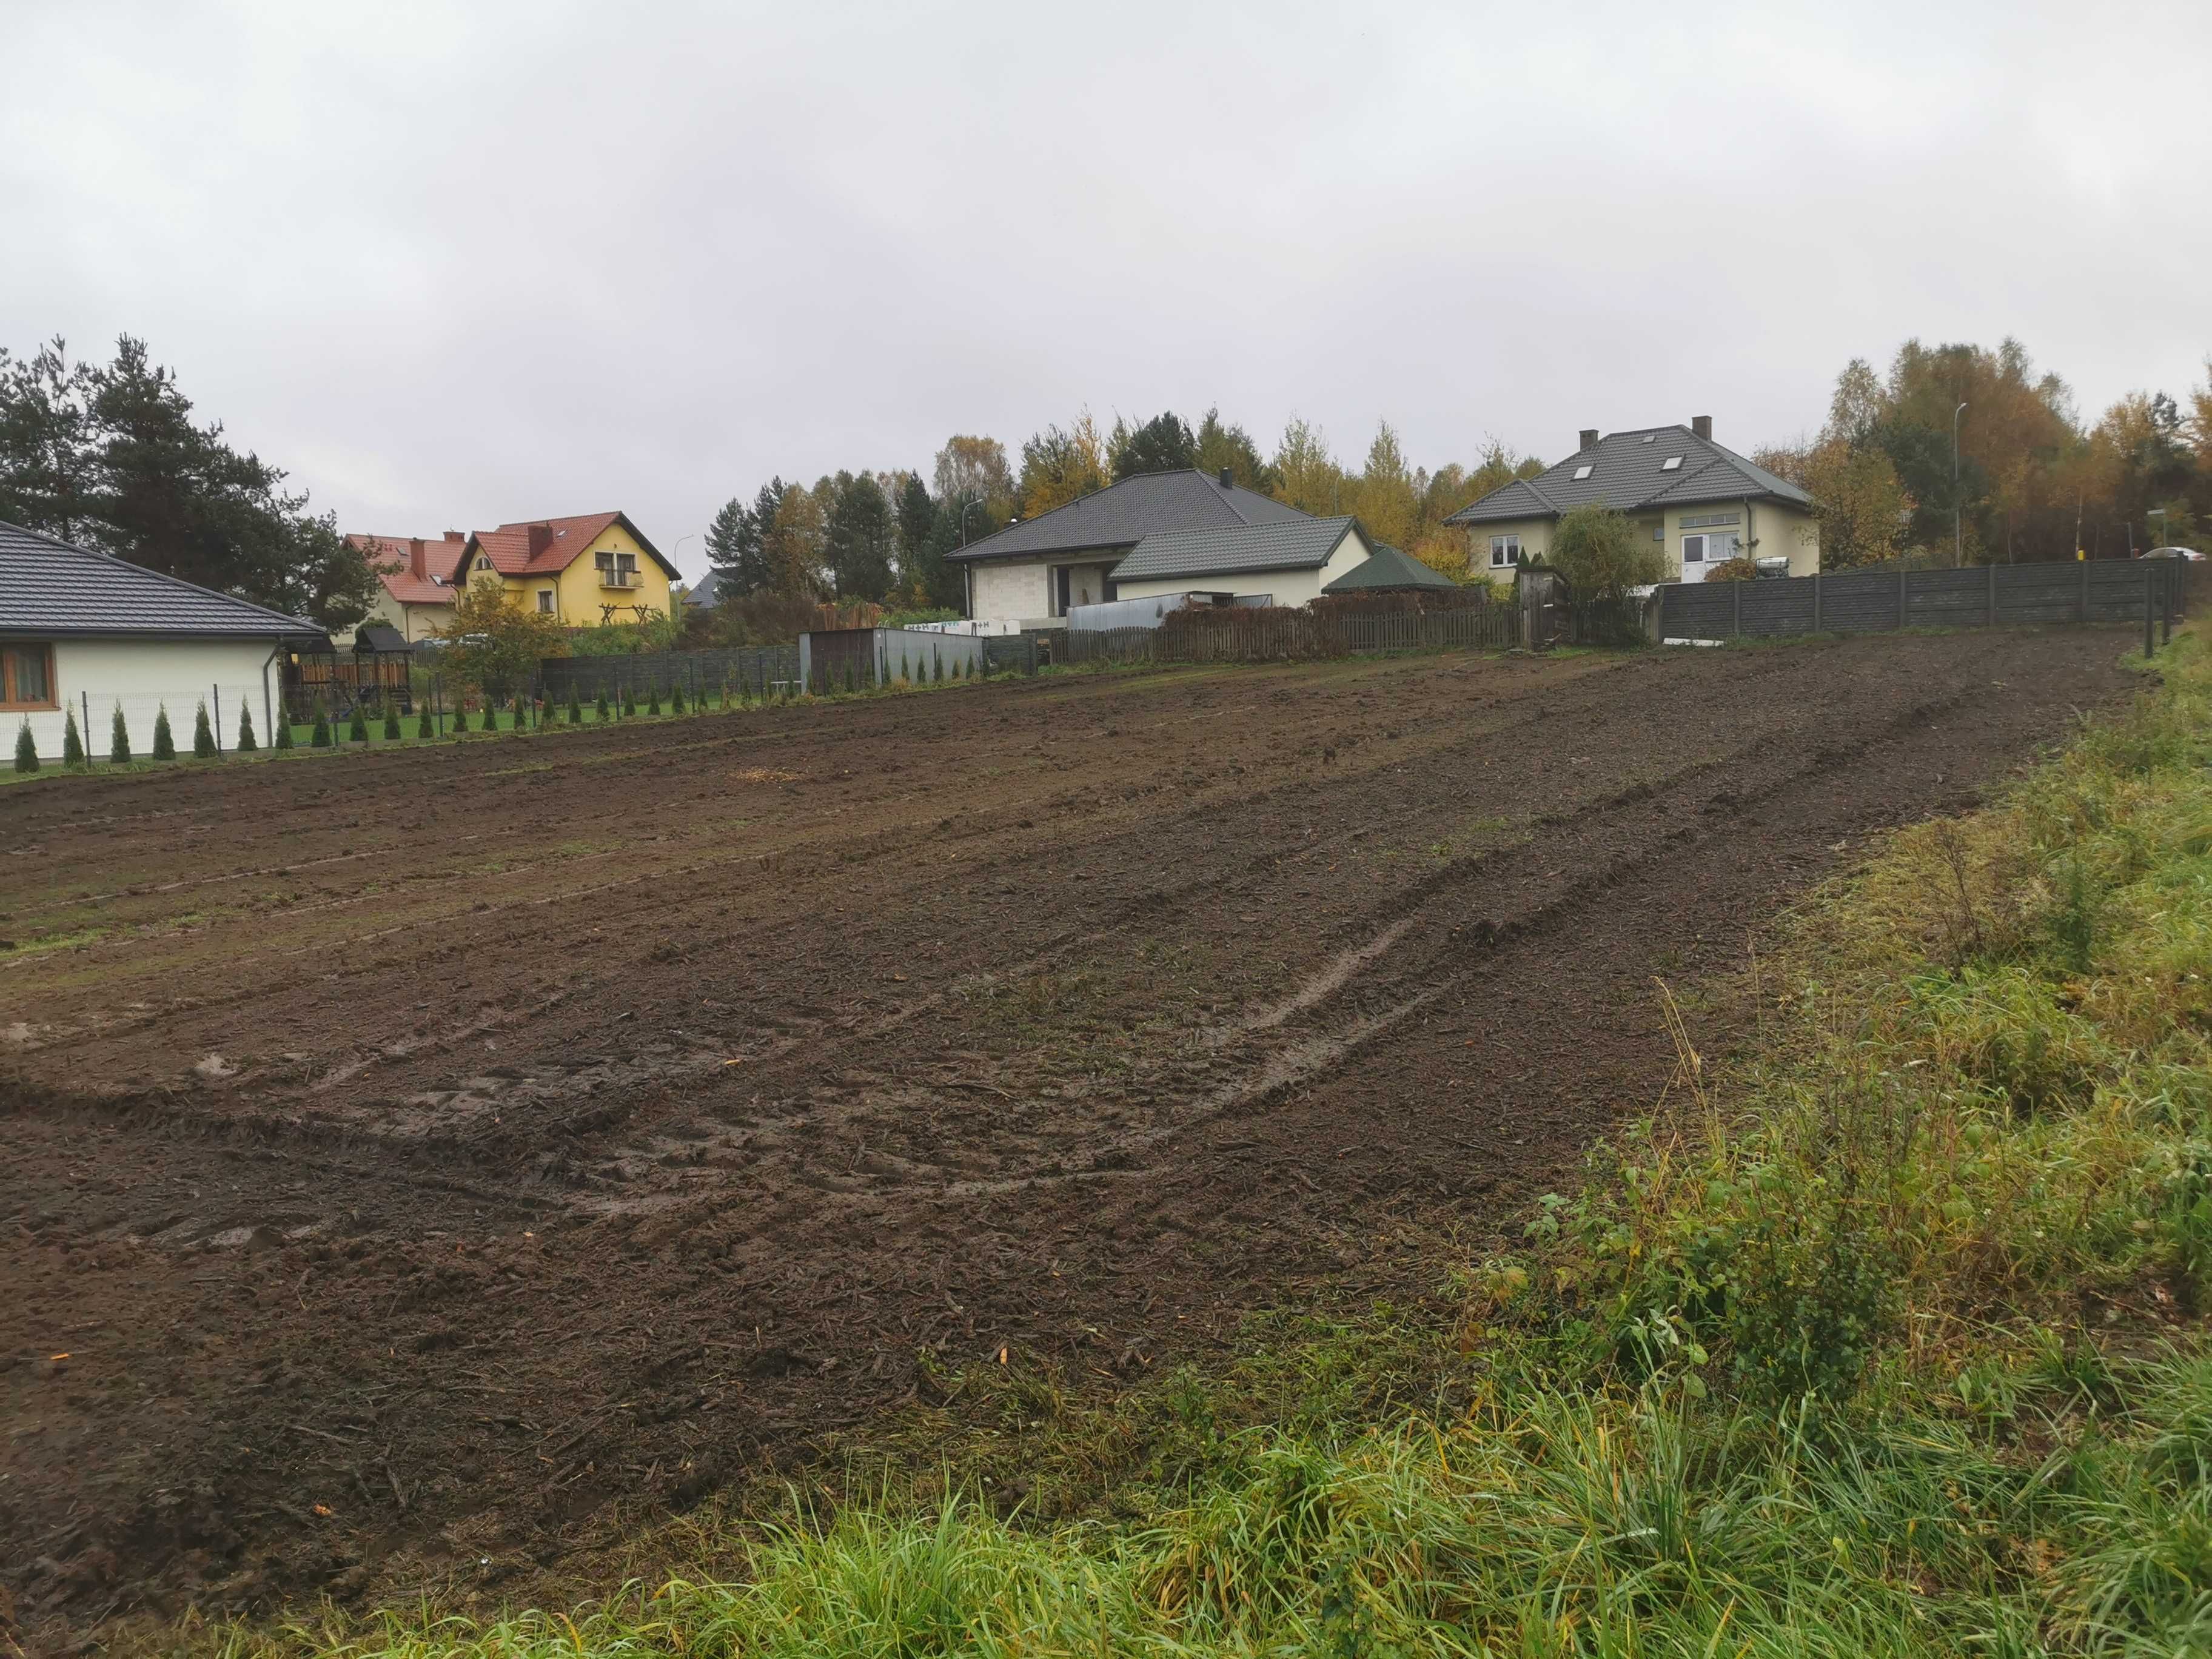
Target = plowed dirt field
(410,1154)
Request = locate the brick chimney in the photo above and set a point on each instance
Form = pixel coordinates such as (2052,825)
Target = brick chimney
(1589,440)
(455,535)
(541,538)
(1702,426)
(418,561)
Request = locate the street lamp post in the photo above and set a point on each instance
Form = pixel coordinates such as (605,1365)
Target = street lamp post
(1958,523)
(978,501)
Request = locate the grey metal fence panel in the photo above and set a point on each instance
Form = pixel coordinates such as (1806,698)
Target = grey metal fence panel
(1893,597)
(1010,653)
(748,671)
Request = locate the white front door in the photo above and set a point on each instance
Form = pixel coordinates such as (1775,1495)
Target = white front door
(1704,548)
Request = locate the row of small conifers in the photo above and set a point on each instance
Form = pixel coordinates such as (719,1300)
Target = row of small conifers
(514,715)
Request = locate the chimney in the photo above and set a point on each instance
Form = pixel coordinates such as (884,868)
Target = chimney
(418,565)
(1228,478)
(1702,426)
(455,535)
(1589,440)
(541,538)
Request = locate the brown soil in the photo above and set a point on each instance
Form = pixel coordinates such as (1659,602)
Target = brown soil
(413,1153)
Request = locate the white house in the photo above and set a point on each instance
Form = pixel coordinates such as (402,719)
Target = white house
(1287,563)
(88,632)
(1034,570)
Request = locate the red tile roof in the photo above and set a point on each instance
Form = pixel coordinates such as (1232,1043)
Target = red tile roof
(542,547)
(414,569)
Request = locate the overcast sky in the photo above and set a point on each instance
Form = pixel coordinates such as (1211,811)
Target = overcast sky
(457,265)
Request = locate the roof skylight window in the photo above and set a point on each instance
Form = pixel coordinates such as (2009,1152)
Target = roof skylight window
(1671,463)
(1582,471)
(1650,437)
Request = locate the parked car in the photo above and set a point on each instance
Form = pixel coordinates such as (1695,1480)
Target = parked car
(2189,553)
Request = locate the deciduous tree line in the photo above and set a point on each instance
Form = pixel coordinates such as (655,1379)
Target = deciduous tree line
(2034,481)
(883,536)
(109,457)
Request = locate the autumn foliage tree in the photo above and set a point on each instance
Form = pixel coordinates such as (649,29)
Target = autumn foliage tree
(496,645)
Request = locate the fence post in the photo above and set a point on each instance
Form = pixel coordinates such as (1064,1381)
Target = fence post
(2148,647)
(1736,590)
(1992,569)
(1904,599)
(1816,601)
(2167,585)
(2081,604)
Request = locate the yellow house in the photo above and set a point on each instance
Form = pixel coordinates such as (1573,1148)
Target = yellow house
(586,571)
(1701,503)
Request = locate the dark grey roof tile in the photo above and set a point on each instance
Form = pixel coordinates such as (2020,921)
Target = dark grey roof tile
(1302,544)
(53,587)
(1122,514)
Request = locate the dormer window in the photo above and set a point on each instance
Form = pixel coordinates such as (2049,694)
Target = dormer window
(1581,471)
(1671,463)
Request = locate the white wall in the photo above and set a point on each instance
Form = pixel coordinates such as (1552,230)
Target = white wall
(1288,587)
(1011,588)
(93,676)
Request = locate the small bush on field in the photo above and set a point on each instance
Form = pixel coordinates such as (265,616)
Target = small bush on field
(165,742)
(391,731)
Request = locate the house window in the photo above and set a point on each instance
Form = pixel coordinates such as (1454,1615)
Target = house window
(1711,547)
(27,676)
(545,600)
(1504,550)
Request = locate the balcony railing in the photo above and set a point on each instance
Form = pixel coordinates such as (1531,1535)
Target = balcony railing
(618,579)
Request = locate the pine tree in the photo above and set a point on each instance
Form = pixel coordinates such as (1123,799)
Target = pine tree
(425,727)
(119,739)
(320,737)
(575,707)
(629,704)
(27,748)
(936,666)
(392,733)
(72,742)
(675,699)
(246,744)
(653,699)
(283,729)
(599,707)
(357,727)
(165,744)
(203,736)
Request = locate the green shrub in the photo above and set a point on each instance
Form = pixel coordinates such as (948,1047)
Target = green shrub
(118,738)
(283,738)
(576,709)
(27,748)
(600,708)
(247,744)
(357,725)
(319,737)
(391,731)
(675,699)
(165,742)
(203,734)
(426,724)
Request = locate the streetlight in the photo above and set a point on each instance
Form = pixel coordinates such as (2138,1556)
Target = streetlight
(978,501)
(2158,513)
(1958,530)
